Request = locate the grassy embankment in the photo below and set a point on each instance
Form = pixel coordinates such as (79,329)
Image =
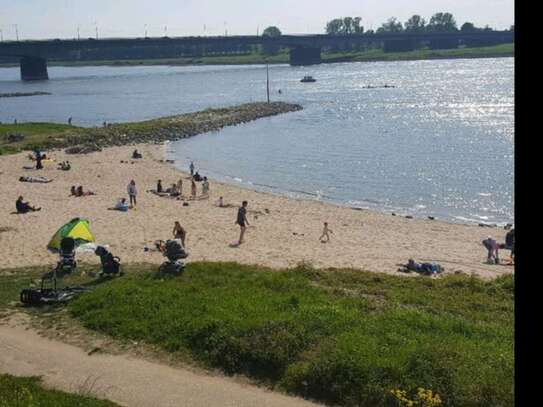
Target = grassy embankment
(339,336)
(28,391)
(502,50)
(50,135)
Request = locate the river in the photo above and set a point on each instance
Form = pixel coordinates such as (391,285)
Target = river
(440,142)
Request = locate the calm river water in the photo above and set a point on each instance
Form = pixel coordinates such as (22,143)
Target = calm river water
(440,143)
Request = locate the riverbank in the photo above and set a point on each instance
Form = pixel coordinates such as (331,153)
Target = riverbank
(81,139)
(374,55)
(21,94)
(282,232)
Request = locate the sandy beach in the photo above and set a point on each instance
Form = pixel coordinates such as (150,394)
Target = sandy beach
(283,231)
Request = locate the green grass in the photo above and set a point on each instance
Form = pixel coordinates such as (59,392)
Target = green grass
(501,50)
(28,392)
(342,337)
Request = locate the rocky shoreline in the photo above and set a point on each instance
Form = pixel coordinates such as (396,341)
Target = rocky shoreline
(170,128)
(19,94)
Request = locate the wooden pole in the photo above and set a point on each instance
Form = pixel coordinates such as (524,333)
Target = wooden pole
(268,83)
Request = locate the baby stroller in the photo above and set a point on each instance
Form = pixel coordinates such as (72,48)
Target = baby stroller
(175,253)
(66,263)
(111,264)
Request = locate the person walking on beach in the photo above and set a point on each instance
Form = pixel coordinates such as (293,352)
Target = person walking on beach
(132,192)
(191,167)
(242,220)
(325,233)
(179,233)
(193,189)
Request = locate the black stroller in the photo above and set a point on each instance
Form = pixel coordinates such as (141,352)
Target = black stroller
(111,265)
(175,253)
(66,263)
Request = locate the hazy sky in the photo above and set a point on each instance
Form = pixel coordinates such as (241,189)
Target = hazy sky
(128,18)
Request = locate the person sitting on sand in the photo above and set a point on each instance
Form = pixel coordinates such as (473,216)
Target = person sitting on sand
(64,166)
(24,207)
(179,233)
(73,191)
(492,247)
(205,187)
(79,192)
(174,191)
(121,205)
(193,189)
(325,232)
(136,154)
(220,202)
(198,177)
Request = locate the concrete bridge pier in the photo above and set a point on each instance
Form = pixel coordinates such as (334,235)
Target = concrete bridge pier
(34,69)
(305,56)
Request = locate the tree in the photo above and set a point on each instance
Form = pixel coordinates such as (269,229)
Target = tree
(358,29)
(272,32)
(443,22)
(468,27)
(334,27)
(415,24)
(344,26)
(391,26)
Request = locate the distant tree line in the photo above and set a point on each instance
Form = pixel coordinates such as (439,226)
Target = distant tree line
(439,22)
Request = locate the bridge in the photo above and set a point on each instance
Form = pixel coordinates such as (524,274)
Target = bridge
(303,49)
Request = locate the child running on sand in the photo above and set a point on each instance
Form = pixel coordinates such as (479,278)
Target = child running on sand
(325,232)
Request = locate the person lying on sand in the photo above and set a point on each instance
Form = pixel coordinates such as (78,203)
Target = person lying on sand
(24,207)
(424,268)
(35,179)
(325,232)
(121,205)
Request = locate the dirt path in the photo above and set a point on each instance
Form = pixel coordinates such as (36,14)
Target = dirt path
(122,379)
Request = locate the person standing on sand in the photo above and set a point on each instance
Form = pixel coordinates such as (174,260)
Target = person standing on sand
(191,167)
(180,186)
(179,233)
(193,189)
(205,187)
(242,220)
(325,232)
(132,192)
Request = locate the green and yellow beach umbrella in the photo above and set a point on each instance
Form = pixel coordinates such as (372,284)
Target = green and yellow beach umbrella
(77,228)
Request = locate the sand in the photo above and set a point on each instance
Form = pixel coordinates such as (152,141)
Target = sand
(283,231)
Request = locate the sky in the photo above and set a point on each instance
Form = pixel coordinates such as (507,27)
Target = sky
(40,19)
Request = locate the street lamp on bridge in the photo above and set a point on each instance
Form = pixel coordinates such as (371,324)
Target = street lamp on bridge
(16,31)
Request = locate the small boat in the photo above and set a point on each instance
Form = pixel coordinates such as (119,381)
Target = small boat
(308,79)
